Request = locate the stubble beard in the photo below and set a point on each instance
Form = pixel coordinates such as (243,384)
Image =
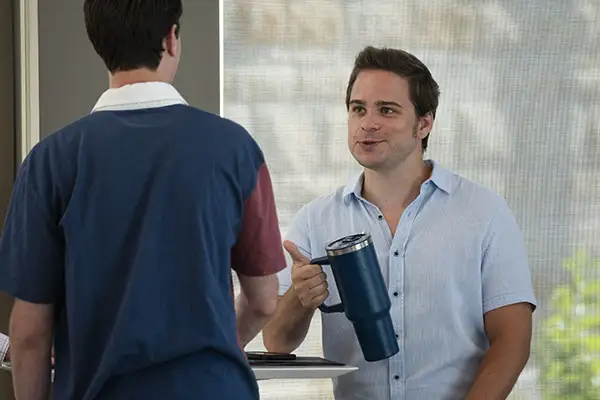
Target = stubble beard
(397,156)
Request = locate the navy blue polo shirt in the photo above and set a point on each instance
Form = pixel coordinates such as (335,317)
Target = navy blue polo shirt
(129,222)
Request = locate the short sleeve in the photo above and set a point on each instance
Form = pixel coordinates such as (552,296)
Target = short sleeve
(298,233)
(31,243)
(258,250)
(506,278)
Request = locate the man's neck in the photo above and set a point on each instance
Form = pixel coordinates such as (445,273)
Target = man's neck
(123,78)
(395,189)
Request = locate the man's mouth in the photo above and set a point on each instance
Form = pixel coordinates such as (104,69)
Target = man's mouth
(369,142)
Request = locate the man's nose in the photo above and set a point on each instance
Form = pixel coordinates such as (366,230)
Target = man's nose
(369,124)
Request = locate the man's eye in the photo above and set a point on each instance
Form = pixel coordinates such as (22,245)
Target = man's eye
(387,110)
(358,109)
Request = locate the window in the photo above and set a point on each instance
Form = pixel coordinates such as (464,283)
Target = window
(519,113)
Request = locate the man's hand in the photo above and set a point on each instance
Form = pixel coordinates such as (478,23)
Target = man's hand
(296,308)
(308,280)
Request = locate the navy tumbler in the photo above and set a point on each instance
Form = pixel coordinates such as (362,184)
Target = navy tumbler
(363,293)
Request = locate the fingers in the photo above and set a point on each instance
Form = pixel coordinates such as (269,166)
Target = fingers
(305,272)
(297,256)
(314,297)
(312,292)
(319,299)
(309,280)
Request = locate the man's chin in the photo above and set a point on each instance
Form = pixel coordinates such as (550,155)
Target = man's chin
(371,161)
(374,165)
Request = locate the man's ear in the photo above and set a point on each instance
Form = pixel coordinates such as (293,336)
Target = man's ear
(172,41)
(425,125)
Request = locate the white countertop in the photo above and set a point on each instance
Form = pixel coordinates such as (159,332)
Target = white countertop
(303,372)
(321,372)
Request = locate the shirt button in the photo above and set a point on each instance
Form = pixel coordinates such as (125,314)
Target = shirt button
(396,253)
(397,336)
(396,377)
(380,217)
(396,294)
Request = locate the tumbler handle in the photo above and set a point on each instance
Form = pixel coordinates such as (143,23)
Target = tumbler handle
(336,308)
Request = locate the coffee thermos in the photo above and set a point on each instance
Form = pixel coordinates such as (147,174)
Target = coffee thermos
(363,293)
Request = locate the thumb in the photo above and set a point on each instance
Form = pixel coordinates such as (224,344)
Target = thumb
(293,251)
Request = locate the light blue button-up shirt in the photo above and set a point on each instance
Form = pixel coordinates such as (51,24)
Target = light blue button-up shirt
(457,253)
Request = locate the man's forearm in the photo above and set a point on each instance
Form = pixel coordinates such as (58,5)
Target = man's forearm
(286,331)
(499,371)
(249,322)
(31,369)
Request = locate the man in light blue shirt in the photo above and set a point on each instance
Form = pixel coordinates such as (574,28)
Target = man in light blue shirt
(450,250)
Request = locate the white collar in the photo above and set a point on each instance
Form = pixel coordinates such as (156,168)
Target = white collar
(138,96)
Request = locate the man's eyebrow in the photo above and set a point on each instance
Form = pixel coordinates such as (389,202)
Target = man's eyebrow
(387,103)
(378,103)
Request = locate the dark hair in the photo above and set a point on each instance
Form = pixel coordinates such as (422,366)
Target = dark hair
(424,90)
(129,34)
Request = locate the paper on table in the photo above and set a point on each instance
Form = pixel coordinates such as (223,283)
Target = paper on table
(4,343)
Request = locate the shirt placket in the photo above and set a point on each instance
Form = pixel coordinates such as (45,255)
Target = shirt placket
(397,257)
(385,231)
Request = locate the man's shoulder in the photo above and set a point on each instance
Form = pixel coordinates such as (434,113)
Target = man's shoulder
(60,142)
(476,195)
(64,143)
(73,131)
(324,207)
(228,126)
(227,130)
(327,201)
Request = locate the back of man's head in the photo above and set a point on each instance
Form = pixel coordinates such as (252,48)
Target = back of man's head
(129,34)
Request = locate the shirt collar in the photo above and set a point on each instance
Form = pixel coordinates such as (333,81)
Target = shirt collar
(139,96)
(440,177)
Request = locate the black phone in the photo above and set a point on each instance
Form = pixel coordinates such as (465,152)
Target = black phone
(269,356)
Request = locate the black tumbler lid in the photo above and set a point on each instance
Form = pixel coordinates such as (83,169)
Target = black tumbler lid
(348,244)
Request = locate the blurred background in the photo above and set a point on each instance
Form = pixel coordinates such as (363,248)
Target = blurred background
(519,112)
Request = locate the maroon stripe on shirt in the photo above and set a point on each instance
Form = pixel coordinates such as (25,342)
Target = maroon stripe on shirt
(258,251)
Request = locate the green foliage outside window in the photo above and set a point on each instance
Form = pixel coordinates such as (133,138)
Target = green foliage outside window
(568,346)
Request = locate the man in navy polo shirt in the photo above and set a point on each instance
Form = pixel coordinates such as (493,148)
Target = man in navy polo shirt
(123,227)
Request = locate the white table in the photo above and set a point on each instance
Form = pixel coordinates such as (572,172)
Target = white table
(264,373)
(321,372)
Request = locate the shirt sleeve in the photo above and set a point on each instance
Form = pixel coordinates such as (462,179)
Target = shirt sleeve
(4,343)
(506,278)
(31,244)
(298,233)
(258,250)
